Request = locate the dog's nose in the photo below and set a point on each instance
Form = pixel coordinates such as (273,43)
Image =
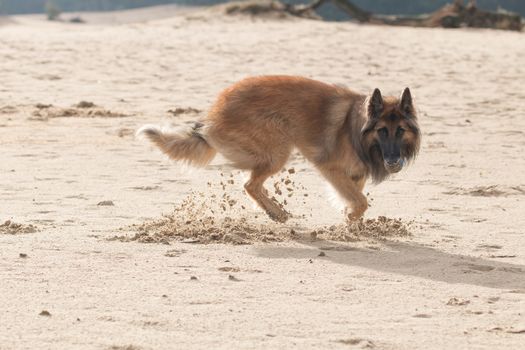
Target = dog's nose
(392,161)
(393,165)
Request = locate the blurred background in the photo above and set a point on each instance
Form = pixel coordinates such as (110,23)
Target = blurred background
(328,11)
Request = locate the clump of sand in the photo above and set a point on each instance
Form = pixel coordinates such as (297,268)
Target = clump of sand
(181,110)
(83,109)
(12,228)
(379,228)
(202,218)
(209,230)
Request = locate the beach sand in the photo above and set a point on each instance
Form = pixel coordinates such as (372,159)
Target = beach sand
(80,195)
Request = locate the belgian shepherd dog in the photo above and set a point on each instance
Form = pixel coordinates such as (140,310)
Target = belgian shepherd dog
(257,122)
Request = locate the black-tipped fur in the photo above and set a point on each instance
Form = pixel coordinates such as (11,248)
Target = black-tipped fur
(186,144)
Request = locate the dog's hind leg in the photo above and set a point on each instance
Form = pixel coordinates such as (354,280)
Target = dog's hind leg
(349,187)
(254,188)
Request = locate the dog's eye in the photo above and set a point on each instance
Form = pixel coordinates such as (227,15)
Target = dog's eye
(400,131)
(383,132)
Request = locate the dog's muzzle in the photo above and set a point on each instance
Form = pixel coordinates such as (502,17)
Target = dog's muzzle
(394,166)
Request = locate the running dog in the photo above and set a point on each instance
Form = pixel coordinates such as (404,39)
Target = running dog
(256,123)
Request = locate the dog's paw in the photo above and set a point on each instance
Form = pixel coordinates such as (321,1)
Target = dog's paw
(352,220)
(353,215)
(281,217)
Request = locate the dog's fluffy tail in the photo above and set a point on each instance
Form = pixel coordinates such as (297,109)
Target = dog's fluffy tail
(186,144)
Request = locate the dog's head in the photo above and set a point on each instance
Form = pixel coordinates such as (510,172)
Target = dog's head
(390,137)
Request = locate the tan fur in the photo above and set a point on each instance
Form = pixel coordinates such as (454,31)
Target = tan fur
(257,122)
(182,144)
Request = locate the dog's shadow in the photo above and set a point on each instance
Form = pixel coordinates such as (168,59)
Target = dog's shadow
(411,259)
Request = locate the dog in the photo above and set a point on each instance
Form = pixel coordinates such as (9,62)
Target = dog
(256,124)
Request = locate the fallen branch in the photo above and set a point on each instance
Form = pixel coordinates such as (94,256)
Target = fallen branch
(453,15)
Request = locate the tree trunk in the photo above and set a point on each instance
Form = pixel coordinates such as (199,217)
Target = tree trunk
(299,10)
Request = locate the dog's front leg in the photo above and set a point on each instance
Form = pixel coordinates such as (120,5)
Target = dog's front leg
(350,188)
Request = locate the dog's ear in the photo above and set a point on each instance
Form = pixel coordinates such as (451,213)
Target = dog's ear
(406,104)
(375,105)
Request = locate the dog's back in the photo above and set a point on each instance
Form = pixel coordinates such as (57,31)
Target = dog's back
(265,117)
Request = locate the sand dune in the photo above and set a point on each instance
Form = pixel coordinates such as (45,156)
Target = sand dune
(130,16)
(74,181)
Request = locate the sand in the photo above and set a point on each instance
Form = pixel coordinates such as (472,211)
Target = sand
(438,261)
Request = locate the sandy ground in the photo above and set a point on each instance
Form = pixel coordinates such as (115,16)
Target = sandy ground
(457,282)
